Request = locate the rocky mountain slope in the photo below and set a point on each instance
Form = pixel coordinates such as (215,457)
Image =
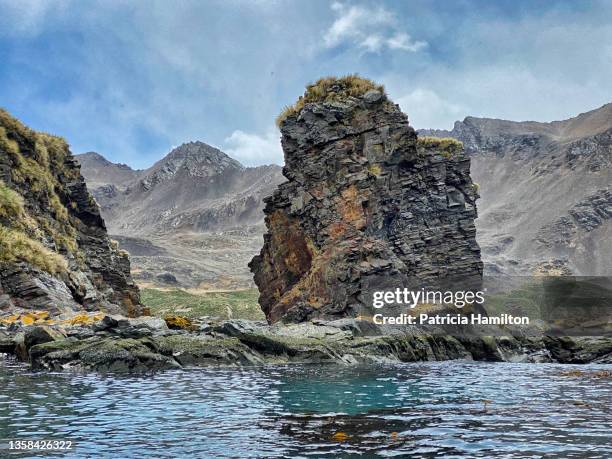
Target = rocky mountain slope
(193,219)
(55,254)
(546,204)
(100,172)
(367,208)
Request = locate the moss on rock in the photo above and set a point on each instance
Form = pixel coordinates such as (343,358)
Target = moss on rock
(447,146)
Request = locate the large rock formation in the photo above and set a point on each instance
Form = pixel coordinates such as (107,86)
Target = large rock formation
(546,205)
(55,253)
(367,207)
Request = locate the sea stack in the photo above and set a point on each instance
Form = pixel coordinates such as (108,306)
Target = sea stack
(55,254)
(367,207)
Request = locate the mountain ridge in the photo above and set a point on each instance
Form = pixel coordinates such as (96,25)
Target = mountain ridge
(187,210)
(536,180)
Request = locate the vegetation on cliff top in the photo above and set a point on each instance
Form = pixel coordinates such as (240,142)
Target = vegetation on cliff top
(36,162)
(330,89)
(445,145)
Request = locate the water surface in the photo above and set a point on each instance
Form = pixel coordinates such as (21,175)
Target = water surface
(438,409)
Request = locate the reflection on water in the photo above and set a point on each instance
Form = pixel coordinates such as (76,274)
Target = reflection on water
(457,409)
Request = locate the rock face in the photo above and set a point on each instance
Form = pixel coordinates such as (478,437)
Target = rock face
(55,253)
(545,190)
(367,207)
(188,211)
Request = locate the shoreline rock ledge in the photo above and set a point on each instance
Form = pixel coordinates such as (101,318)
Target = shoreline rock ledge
(367,206)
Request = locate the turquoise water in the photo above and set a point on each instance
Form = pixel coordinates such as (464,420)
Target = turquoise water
(408,410)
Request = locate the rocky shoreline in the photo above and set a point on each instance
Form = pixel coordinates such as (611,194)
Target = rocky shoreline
(146,344)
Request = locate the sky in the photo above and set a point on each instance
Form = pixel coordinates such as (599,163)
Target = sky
(133,79)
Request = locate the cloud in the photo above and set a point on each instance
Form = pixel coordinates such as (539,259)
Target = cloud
(130,79)
(426,109)
(28,17)
(404,42)
(254,149)
(372,29)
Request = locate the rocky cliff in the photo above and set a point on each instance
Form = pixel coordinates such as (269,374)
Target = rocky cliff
(546,205)
(367,207)
(55,253)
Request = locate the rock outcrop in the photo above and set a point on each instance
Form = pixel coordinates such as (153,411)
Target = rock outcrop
(367,207)
(55,254)
(148,344)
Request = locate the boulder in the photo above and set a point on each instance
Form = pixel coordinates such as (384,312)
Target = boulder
(112,354)
(32,336)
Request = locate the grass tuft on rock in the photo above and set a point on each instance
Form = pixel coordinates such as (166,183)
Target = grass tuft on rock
(447,146)
(16,246)
(11,203)
(330,89)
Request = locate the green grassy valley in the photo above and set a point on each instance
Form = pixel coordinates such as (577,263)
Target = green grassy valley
(239,304)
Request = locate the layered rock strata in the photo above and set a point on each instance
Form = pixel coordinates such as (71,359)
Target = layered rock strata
(367,207)
(55,253)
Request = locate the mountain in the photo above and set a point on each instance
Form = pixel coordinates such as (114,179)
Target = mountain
(98,171)
(194,218)
(55,253)
(545,204)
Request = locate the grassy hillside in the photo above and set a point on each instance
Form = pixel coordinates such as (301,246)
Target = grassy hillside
(240,304)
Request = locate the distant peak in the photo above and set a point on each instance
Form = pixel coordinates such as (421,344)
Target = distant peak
(195,159)
(200,151)
(93,156)
(96,158)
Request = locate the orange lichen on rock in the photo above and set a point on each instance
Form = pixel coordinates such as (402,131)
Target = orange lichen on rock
(296,256)
(84,319)
(178,322)
(350,207)
(27,318)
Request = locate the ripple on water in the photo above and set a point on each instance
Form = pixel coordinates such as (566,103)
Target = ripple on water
(462,409)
